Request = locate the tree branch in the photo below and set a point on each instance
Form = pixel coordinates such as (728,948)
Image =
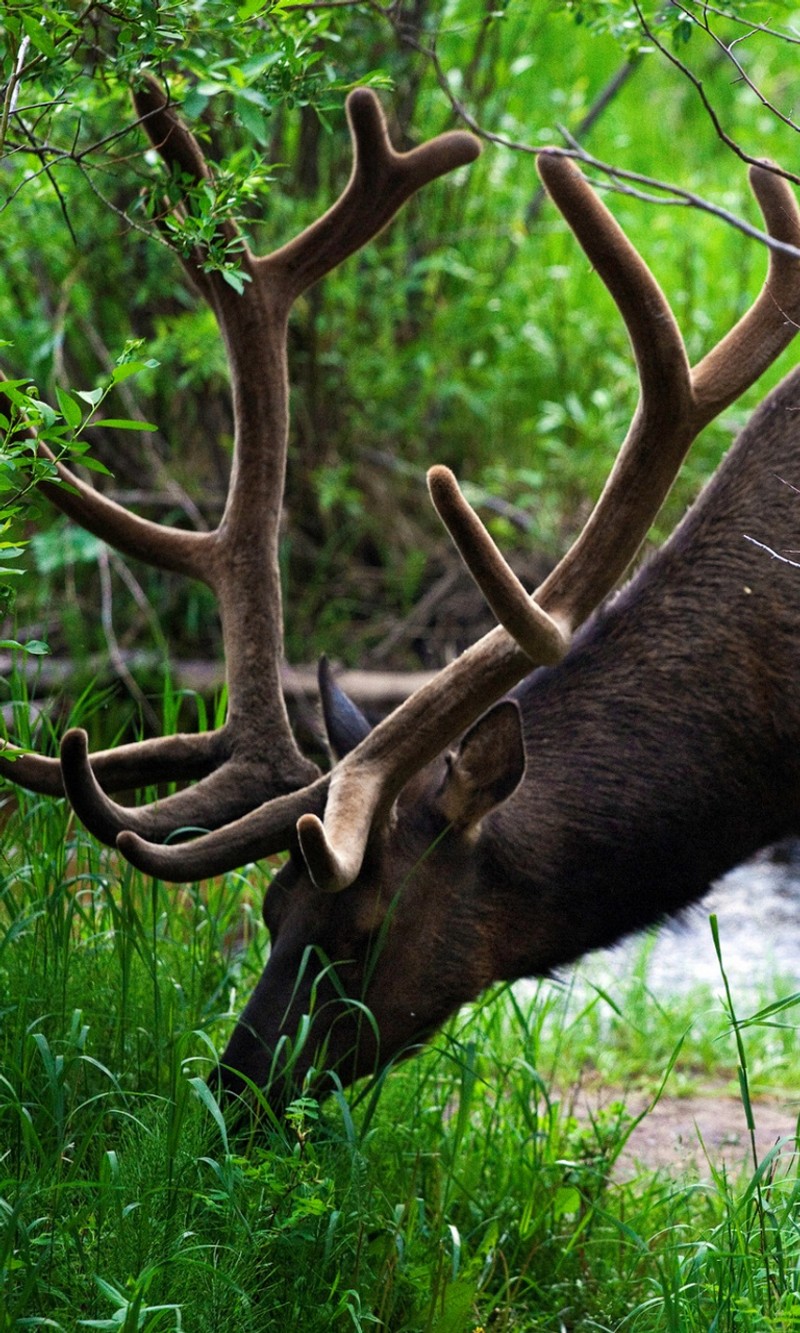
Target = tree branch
(619,179)
(697,84)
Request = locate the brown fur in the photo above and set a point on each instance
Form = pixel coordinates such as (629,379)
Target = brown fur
(662,751)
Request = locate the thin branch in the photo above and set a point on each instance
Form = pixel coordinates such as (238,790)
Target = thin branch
(604,99)
(621,180)
(112,137)
(62,203)
(775,554)
(727,50)
(748,23)
(697,84)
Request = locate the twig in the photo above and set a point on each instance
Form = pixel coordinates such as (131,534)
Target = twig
(621,180)
(727,49)
(775,554)
(697,84)
(749,24)
(12,89)
(604,99)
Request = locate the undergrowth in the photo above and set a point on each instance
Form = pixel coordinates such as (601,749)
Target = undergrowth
(466,1190)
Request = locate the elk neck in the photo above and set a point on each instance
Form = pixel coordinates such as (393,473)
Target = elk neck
(664,749)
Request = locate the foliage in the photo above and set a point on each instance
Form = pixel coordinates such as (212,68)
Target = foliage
(471,332)
(36,438)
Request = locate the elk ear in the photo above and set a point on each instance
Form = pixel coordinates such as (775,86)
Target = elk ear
(345,724)
(486,768)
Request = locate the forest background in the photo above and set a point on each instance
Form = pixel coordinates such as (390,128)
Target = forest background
(472,332)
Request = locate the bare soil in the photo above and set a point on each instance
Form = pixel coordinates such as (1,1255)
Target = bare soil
(688,1136)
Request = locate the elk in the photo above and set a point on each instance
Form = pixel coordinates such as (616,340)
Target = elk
(584,770)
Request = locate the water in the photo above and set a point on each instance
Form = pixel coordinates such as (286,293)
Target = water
(758,909)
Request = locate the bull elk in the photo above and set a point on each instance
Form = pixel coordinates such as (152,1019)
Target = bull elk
(608,764)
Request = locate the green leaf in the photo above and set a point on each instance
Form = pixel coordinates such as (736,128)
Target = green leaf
(46,411)
(39,36)
(10,389)
(33,646)
(250,8)
(70,410)
(253,119)
(129,368)
(194,104)
(121,423)
(94,465)
(90,396)
(210,87)
(235,278)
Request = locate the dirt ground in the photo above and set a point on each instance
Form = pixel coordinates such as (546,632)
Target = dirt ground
(687,1135)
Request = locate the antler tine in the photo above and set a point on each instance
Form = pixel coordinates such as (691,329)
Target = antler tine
(140,762)
(223,785)
(541,636)
(260,832)
(663,424)
(380,183)
(771,322)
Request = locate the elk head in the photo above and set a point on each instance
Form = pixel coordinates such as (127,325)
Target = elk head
(360,977)
(400,898)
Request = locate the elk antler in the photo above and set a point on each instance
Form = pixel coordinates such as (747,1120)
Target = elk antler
(675,404)
(253,757)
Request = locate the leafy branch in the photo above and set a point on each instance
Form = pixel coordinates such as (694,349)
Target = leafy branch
(28,422)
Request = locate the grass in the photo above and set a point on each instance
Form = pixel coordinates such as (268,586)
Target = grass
(462,1192)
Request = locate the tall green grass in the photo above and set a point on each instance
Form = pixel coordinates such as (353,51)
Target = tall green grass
(464,1191)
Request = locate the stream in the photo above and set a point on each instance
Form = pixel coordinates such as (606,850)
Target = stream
(758,909)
